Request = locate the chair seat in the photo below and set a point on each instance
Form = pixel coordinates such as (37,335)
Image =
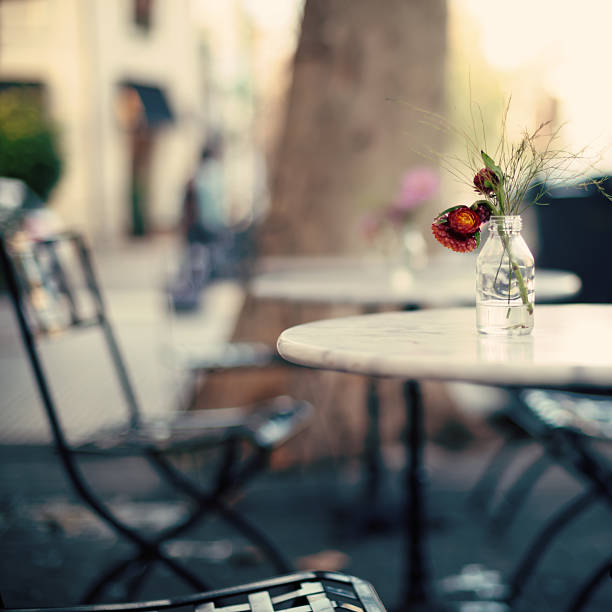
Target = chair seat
(298,592)
(590,415)
(266,425)
(476,588)
(228,356)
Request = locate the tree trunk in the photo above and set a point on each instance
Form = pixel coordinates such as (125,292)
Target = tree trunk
(360,69)
(350,132)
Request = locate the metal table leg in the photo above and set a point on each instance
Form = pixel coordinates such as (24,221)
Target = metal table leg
(416,581)
(374,512)
(373,462)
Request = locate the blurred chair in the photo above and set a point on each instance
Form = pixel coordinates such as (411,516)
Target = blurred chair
(54,291)
(601,574)
(300,592)
(573,233)
(563,424)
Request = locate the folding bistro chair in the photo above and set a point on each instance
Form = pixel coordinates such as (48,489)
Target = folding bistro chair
(53,289)
(564,424)
(299,592)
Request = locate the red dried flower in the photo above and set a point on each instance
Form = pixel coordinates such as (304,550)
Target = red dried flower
(483,211)
(464,220)
(485,181)
(456,242)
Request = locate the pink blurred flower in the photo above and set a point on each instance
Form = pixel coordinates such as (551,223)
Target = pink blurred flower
(417,186)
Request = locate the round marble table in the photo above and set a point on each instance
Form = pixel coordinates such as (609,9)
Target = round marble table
(569,348)
(370,283)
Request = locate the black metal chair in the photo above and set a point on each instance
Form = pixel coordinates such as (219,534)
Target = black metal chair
(563,424)
(299,592)
(54,289)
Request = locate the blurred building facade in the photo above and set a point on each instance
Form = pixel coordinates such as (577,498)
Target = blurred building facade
(124,81)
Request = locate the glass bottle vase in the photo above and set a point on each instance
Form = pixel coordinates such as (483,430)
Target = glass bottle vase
(411,255)
(505,275)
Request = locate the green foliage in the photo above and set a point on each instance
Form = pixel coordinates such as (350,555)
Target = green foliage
(28,142)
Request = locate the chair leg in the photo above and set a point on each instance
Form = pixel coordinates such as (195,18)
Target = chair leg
(225,474)
(592,467)
(135,583)
(207,502)
(586,592)
(112,574)
(567,513)
(484,489)
(147,548)
(517,494)
(116,573)
(258,537)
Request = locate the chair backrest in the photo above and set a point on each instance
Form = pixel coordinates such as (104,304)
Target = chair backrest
(53,289)
(574,230)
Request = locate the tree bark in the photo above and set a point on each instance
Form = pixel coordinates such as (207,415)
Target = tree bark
(361,69)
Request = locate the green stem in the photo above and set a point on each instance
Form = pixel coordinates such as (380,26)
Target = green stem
(517,271)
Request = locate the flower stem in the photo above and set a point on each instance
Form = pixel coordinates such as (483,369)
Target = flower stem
(516,271)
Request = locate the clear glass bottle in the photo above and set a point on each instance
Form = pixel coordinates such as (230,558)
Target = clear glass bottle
(505,275)
(413,247)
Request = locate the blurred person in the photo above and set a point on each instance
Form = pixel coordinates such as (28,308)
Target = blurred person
(203,214)
(203,228)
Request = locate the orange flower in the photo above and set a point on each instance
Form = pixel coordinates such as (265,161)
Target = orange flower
(461,243)
(464,220)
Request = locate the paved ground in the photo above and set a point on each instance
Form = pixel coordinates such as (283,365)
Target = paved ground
(51,548)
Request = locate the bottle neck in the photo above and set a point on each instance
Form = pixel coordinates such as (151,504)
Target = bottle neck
(510,225)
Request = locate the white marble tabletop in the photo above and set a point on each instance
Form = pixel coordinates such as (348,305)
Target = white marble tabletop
(570,345)
(444,281)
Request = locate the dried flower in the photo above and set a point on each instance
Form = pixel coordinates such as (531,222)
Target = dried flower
(464,220)
(461,243)
(458,227)
(485,181)
(483,210)
(504,182)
